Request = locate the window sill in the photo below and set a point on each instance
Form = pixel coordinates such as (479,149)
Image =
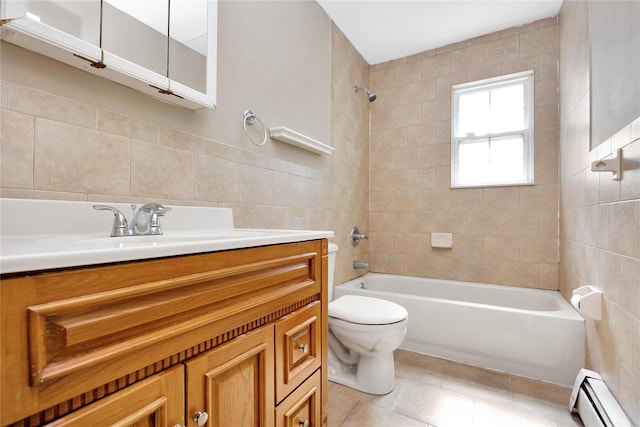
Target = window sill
(488,185)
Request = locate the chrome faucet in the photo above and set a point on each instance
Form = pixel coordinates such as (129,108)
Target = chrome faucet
(145,220)
(360,264)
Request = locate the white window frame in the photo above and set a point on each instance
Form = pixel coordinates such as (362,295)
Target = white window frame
(527,132)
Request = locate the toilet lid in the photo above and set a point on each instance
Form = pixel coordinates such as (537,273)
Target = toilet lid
(366,310)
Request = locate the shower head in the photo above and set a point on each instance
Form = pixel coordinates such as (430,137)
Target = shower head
(372,96)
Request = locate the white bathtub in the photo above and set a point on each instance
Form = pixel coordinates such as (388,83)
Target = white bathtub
(527,332)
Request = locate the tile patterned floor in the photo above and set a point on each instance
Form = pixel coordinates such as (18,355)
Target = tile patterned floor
(432,392)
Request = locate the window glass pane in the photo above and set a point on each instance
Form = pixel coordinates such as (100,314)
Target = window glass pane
(473,113)
(473,161)
(507,109)
(507,159)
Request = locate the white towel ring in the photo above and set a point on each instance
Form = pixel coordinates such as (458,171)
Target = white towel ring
(250,119)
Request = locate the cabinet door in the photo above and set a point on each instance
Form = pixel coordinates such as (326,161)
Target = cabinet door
(68,31)
(10,10)
(233,383)
(302,407)
(298,348)
(192,50)
(134,41)
(157,401)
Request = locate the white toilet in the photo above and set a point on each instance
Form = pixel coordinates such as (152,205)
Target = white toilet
(363,334)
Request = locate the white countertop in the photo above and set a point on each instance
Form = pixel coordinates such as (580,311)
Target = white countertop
(45,234)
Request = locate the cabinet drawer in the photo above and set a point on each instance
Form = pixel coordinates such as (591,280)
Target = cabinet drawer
(158,300)
(298,348)
(302,407)
(157,401)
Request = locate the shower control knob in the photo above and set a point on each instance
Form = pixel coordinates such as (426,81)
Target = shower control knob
(200,418)
(355,236)
(304,348)
(303,423)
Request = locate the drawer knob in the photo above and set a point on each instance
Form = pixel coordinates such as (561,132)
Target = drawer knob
(304,348)
(200,418)
(303,423)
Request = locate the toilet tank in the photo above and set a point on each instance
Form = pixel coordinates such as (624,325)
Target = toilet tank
(333,249)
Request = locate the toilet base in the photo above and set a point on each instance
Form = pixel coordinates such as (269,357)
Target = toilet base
(373,375)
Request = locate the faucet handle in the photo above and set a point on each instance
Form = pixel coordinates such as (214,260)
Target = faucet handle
(120,224)
(154,220)
(162,210)
(156,208)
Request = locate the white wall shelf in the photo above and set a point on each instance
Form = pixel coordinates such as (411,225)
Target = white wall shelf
(292,137)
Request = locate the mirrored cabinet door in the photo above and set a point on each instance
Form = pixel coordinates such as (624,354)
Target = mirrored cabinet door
(69,26)
(188,43)
(134,38)
(192,49)
(79,19)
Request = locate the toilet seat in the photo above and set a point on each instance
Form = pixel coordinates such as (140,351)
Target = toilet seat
(366,310)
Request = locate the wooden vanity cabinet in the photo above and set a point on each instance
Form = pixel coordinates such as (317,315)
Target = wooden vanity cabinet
(237,334)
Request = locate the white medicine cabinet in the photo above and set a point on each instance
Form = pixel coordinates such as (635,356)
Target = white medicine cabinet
(165,48)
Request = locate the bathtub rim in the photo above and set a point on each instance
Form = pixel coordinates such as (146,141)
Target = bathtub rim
(564,310)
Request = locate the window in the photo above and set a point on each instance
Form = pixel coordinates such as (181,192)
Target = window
(492,132)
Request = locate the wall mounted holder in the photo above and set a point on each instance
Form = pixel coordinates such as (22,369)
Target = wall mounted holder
(610,165)
(442,240)
(299,140)
(588,301)
(249,119)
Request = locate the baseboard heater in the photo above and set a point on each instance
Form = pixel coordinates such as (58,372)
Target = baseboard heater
(594,402)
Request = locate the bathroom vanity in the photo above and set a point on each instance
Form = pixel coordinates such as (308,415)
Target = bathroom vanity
(227,337)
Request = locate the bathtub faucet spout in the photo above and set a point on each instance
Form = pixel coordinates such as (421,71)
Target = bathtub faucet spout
(360,264)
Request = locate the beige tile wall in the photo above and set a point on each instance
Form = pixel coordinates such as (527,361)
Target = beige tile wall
(350,130)
(504,235)
(600,219)
(120,158)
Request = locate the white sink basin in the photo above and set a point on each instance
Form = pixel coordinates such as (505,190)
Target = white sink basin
(74,234)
